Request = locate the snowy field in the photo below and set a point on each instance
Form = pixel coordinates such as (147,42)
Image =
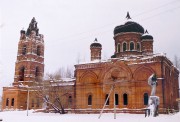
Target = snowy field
(20,116)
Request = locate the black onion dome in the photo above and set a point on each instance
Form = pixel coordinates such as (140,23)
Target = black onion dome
(146,35)
(129,26)
(95,44)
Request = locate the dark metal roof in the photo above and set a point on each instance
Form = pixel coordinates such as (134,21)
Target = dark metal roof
(129,27)
(146,36)
(32,27)
(95,44)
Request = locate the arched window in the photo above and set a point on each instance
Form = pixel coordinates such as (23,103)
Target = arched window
(21,74)
(90,100)
(138,46)
(116,99)
(24,49)
(37,72)
(70,100)
(12,102)
(131,46)
(38,103)
(124,46)
(118,48)
(32,105)
(7,101)
(107,103)
(38,50)
(125,99)
(145,98)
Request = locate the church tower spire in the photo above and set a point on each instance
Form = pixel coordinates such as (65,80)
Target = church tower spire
(29,65)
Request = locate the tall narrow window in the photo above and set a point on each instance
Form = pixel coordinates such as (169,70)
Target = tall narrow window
(124,46)
(145,98)
(90,100)
(125,99)
(116,99)
(7,101)
(38,50)
(21,74)
(131,46)
(107,103)
(138,47)
(37,72)
(12,102)
(24,49)
(70,101)
(118,48)
(32,103)
(38,103)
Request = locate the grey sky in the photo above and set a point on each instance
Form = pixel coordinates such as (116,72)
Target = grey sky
(70,26)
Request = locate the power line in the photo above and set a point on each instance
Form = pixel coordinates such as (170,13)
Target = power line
(145,12)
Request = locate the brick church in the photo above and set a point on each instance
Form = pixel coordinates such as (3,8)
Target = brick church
(120,80)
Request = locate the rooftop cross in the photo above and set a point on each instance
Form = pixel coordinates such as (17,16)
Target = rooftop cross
(95,40)
(128,16)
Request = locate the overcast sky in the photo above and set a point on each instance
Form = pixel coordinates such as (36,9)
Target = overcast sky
(70,26)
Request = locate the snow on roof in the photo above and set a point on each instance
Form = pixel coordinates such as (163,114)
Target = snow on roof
(94,62)
(71,83)
(63,82)
(125,58)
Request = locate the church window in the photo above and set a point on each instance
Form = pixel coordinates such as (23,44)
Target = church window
(138,46)
(32,105)
(38,50)
(24,50)
(124,46)
(12,102)
(90,100)
(37,72)
(116,99)
(7,101)
(131,46)
(21,74)
(125,99)
(118,48)
(145,98)
(107,99)
(70,100)
(38,103)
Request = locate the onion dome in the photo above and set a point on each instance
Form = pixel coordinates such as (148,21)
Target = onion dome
(129,26)
(146,35)
(96,44)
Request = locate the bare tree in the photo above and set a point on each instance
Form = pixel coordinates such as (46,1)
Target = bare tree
(78,58)
(69,72)
(53,90)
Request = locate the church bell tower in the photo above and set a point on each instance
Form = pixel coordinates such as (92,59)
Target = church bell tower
(29,66)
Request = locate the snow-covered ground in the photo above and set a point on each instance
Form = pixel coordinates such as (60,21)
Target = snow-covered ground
(20,116)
